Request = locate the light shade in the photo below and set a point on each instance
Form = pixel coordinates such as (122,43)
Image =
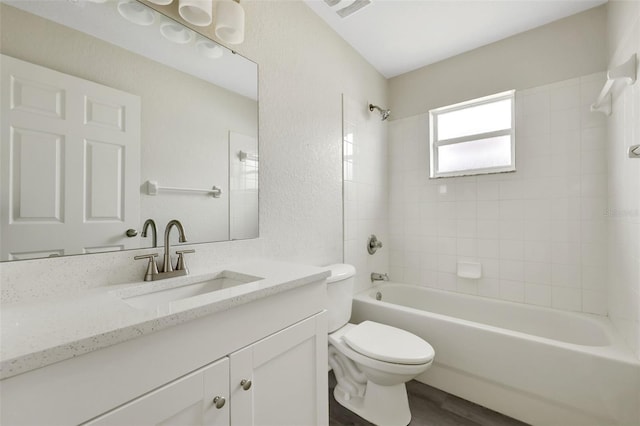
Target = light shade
(196,12)
(230,22)
(161,2)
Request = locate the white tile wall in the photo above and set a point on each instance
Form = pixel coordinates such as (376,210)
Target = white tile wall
(539,233)
(623,203)
(365,179)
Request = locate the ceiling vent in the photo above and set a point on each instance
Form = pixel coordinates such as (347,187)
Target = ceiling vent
(350,8)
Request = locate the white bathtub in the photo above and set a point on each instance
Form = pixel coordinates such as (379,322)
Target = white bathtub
(539,365)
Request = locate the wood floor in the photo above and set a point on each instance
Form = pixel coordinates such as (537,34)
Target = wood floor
(429,407)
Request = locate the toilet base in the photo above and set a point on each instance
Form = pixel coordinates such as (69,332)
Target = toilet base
(381,405)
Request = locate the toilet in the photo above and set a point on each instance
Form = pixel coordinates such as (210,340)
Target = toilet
(371,361)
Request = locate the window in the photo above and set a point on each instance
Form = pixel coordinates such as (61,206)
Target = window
(473,137)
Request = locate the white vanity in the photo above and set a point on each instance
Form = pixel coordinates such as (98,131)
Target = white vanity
(245,353)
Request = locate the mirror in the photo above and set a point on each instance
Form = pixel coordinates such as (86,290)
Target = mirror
(113,114)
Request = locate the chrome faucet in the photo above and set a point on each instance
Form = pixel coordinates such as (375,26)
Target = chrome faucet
(379,277)
(154,237)
(166,267)
(152,273)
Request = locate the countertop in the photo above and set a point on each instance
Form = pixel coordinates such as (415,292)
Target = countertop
(43,332)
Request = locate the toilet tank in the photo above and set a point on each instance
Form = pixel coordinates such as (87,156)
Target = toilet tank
(340,292)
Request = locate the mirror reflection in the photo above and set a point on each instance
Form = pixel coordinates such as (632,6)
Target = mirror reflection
(113,114)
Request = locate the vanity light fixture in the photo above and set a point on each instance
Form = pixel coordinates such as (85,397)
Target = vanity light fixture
(230,21)
(229,26)
(196,12)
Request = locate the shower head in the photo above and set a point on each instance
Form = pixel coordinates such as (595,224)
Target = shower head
(384,113)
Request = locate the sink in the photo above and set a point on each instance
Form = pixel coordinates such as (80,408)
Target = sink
(154,299)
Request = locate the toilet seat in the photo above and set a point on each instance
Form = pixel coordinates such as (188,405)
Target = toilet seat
(388,344)
(337,340)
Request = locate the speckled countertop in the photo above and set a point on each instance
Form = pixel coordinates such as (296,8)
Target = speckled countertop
(37,334)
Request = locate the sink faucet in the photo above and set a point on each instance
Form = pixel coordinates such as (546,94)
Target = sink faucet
(166,267)
(152,273)
(154,237)
(379,277)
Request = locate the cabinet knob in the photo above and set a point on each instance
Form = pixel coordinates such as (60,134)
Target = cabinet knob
(219,401)
(246,384)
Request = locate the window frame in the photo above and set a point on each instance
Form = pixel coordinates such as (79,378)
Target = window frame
(434,143)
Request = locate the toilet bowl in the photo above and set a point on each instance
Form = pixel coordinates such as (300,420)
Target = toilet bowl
(371,361)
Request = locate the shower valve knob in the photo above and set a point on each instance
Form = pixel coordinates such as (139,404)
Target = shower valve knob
(373,244)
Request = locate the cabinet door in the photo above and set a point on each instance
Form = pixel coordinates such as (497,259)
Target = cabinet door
(288,374)
(186,401)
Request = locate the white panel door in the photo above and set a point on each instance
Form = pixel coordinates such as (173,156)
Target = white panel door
(186,401)
(288,374)
(70,163)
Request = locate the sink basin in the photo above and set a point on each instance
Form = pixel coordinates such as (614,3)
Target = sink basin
(224,279)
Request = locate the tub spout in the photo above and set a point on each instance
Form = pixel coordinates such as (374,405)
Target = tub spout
(379,277)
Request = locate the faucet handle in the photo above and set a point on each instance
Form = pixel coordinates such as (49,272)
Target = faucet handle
(373,244)
(152,266)
(145,256)
(180,265)
(185,251)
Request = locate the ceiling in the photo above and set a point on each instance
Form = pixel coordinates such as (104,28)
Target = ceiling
(397,36)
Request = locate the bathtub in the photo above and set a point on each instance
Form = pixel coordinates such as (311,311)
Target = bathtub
(539,365)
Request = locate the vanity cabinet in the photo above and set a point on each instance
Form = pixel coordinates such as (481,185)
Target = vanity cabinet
(274,381)
(186,401)
(171,376)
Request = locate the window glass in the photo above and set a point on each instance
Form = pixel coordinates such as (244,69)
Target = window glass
(473,137)
(478,154)
(476,119)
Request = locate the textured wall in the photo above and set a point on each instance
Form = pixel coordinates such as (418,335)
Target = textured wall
(623,207)
(304,69)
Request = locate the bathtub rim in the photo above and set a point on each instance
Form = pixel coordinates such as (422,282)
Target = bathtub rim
(616,350)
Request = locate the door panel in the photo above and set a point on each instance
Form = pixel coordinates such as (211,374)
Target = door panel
(36,185)
(104,175)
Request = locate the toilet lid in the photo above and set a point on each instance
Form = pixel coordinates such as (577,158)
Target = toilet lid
(389,344)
